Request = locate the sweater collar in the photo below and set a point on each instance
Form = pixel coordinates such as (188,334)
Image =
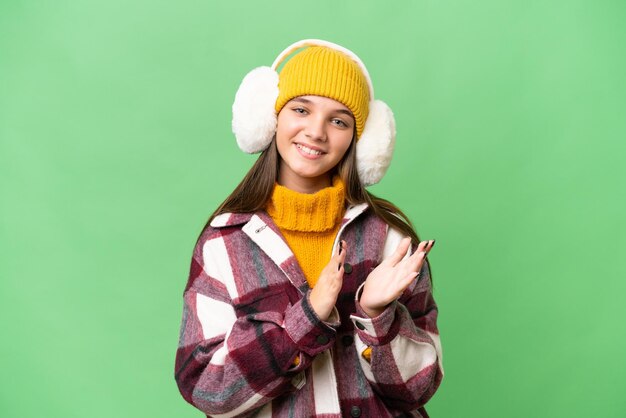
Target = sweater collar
(316,212)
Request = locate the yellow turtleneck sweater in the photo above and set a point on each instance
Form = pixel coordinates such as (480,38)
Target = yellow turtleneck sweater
(309,223)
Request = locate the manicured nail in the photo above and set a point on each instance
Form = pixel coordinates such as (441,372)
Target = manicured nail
(340,247)
(433,244)
(339,267)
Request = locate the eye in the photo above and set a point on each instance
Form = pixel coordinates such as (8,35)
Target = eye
(300,110)
(339,123)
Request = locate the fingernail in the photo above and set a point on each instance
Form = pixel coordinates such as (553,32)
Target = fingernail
(340,247)
(339,267)
(433,244)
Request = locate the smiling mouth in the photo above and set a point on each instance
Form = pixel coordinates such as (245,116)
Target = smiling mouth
(308,150)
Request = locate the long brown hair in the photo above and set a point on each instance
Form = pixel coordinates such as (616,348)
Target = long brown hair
(254,191)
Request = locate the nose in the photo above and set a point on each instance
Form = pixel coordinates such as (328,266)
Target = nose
(316,129)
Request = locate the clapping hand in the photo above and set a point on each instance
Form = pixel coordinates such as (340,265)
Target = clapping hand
(392,276)
(324,294)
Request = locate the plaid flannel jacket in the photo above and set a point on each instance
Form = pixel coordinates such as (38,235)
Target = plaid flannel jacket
(252,346)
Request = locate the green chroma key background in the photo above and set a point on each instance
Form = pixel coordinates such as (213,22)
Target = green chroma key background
(115,146)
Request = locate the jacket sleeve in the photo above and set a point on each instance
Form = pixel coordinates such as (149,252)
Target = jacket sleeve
(403,360)
(228,362)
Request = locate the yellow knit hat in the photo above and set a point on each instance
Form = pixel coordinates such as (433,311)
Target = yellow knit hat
(323,71)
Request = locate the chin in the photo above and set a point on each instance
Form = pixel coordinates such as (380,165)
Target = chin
(308,171)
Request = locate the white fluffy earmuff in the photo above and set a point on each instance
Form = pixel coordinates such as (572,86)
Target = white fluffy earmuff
(375,147)
(254,116)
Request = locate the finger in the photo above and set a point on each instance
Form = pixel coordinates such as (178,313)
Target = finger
(399,253)
(423,245)
(420,253)
(338,275)
(414,263)
(341,248)
(340,256)
(341,252)
(430,244)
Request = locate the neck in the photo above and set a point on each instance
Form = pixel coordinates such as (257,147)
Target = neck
(304,184)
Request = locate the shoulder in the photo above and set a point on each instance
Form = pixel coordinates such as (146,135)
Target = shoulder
(364,215)
(214,248)
(220,226)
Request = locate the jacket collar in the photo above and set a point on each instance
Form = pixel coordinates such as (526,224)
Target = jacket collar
(232,219)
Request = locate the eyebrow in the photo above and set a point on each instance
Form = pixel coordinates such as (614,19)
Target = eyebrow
(345,111)
(307,101)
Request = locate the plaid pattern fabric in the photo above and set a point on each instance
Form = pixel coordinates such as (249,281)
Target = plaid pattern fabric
(247,318)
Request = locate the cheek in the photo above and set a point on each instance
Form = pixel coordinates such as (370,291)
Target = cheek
(281,145)
(287,124)
(345,143)
(282,135)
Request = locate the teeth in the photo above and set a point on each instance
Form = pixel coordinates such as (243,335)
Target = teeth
(309,150)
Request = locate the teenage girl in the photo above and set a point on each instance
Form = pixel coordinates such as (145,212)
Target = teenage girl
(307,295)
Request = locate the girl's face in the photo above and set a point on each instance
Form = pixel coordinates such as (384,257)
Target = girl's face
(312,136)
